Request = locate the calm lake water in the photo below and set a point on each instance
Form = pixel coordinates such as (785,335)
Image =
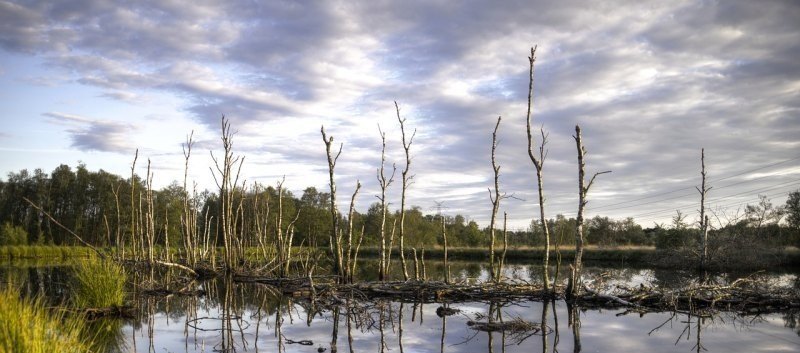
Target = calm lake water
(237,317)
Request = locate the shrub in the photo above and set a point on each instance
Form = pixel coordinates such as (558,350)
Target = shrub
(98,284)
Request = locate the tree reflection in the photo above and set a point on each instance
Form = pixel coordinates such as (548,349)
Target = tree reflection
(574,322)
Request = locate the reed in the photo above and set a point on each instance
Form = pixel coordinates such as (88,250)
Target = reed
(27,327)
(98,284)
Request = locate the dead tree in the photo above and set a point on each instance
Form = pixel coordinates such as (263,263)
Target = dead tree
(495,198)
(334,239)
(538,163)
(189,216)
(384,184)
(352,252)
(133,207)
(150,227)
(573,282)
(284,236)
(406,182)
(703,190)
(226,183)
(444,240)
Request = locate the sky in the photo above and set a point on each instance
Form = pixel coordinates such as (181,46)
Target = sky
(650,83)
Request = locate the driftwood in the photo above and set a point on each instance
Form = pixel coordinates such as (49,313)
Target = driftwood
(744,295)
(515,325)
(123,311)
(166,292)
(410,291)
(178,266)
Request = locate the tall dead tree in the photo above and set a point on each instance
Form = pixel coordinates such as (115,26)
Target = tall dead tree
(334,239)
(538,163)
(227,181)
(573,282)
(133,207)
(150,224)
(384,183)
(352,251)
(495,197)
(406,182)
(189,215)
(703,190)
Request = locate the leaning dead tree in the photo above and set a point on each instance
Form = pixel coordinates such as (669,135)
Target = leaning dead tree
(334,239)
(573,282)
(384,183)
(538,163)
(406,182)
(227,178)
(703,190)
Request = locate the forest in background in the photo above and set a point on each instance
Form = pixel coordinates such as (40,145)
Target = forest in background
(98,206)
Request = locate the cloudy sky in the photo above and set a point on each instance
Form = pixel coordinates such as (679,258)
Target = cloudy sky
(650,83)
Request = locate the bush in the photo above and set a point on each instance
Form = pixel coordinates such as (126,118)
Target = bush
(98,284)
(676,238)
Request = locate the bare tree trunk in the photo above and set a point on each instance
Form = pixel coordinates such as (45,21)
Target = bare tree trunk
(188,218)
(538,164)
(384,184)
(406,182)
(120,243)
(133,208)
(227,183)
(350,249)
(335,246)
(573,286)
(495,198)
(505,242)
(446,266)
(703,218)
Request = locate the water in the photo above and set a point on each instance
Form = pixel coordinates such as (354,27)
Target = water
(256,318)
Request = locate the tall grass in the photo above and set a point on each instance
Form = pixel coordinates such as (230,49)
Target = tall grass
(98,284)
(27,327)
(12,252)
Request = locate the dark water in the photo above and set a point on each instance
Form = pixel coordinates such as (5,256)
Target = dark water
(255,318)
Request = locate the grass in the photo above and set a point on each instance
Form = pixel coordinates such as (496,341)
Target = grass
(13,252)
(98,284)
(27,327)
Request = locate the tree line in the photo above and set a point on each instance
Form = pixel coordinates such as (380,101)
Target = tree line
(97,205)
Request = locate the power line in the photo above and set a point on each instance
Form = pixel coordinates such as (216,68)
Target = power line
(692,187)
(661,212)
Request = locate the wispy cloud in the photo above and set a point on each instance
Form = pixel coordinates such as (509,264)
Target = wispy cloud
(92,134)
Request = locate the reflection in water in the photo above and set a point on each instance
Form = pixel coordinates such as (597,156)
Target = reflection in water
(236,317)
(574,322)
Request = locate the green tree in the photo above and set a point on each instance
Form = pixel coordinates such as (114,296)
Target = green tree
(793,210)
(13,235)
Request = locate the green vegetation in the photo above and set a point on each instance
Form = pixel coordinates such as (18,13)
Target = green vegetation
(12,235)
(44,251)
(27,327)
(98,284)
